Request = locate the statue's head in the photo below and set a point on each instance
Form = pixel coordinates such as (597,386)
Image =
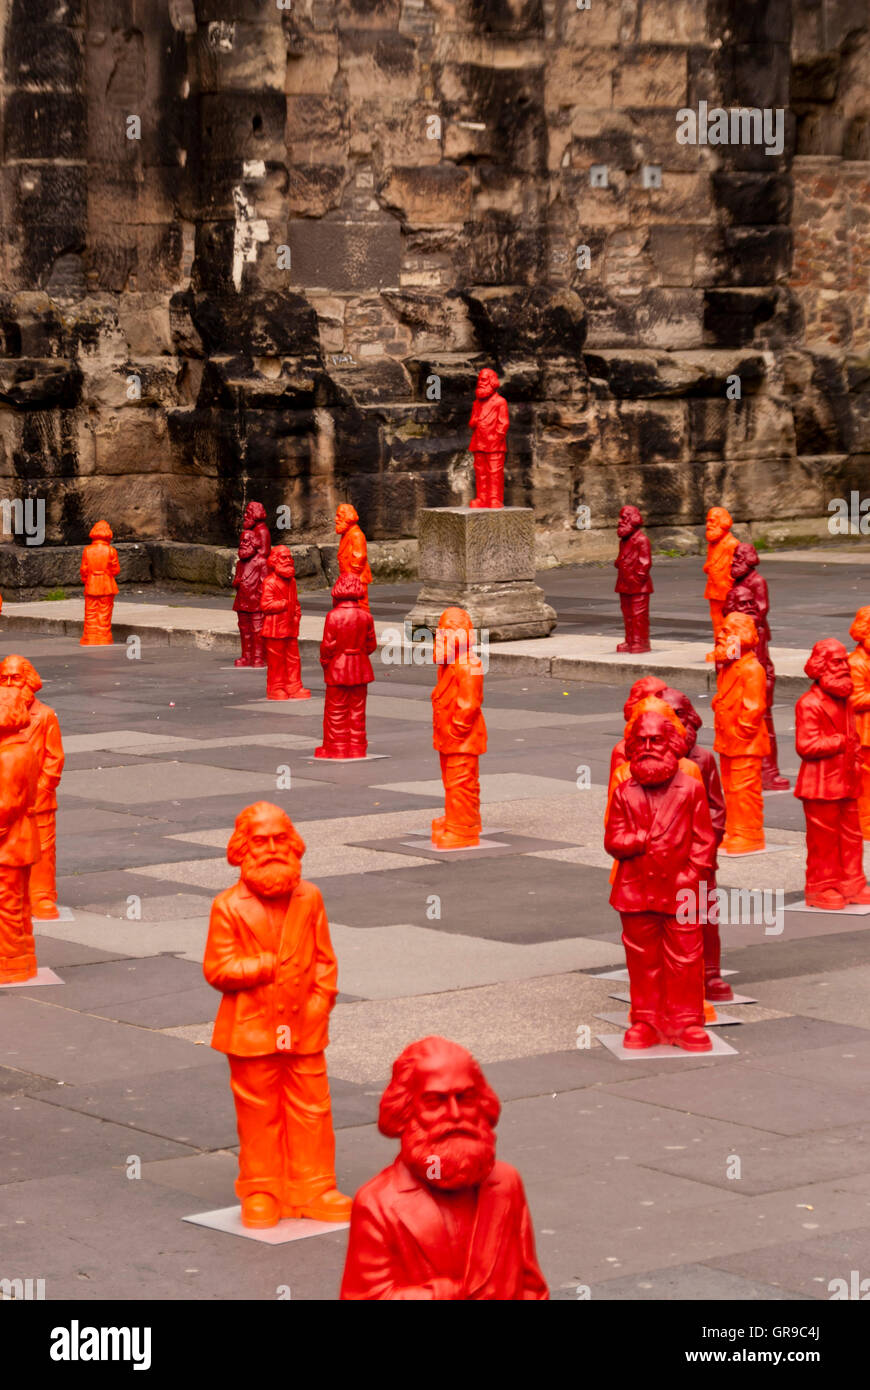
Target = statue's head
(630,520)
(454,637)
(647,685)
(737,637)
(657,704)
(348,588)
(17,673)
(685,712)
(744,559)
(346,516)
(742,600)
(247,545)
(654,748)
(101,531)
(14,711)
(439,1105)
(255,512)
(718,523)
(860,629)
(280,561)
(828,664)
(266,849)
(487,384)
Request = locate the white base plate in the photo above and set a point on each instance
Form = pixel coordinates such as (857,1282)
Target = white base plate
(229,1220)
(613,1042)
(65,914)
(746,854)
(850,910)
(721,1020)
(324,762)
(43,976)
(737,999)
(461,849)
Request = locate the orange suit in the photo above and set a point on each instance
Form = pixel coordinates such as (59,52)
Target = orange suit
(718,571)
(279,979)
(43,732)
(99,566)
(859,665)
(19,850)
(353,558)
(459,736)
(742,741)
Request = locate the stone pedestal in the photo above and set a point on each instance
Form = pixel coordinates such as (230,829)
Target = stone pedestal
(481,560)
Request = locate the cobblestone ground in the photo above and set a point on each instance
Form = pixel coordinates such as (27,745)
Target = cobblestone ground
(629,1167)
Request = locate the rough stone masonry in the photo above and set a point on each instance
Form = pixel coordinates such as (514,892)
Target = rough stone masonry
(254,248)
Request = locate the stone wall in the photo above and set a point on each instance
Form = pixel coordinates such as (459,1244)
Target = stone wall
(336,211)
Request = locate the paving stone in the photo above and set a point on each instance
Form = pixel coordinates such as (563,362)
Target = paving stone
(39,1141)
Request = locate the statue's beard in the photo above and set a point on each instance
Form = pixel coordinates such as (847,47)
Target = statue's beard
(271,878)
(651,769)
(465,1151)
(838,686)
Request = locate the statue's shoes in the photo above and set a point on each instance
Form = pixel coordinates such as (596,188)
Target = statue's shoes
(863,896)
(641,1035)
(329,1206)
(828,900)
(260,1211)
(717,989)
(692,1039)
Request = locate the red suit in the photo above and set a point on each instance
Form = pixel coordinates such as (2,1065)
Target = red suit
(352,548)
(721,545)
(446,1221)
(662,837)
(459,730)
(633,580)
(19,838)
(742,739)
(270,955)
(489,423)
(859,666)
(829,782)
(100,565)
(348,640)
(282,615)
(248,583)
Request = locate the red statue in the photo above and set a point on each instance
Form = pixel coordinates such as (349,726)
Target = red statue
(489,424)
(352,548)
(721,545)
(647,685)
(829,781)
(43,733)
(248,583)
(741,734)
(459,731)
(633,580)
(99,566)
(255,520)
(659,830)
(859,665)
(749,595)
(269,953)
(715,988)
(651,704)
(19,837)
(280,606)
(348,640)
(446,1221)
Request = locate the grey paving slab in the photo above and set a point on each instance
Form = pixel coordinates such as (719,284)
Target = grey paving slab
(495,844)
(43,1037)
(690,1283)
(806,1268)
(92,987)
(40,1141)
(60,954)
(844,1067)
(148,782)
(774,1163)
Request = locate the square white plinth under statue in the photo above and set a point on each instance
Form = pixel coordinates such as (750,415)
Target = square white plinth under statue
(229,1220)
(613,1042)
(43,976)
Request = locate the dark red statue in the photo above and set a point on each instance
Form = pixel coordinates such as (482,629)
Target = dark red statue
(248,583)
(348,640)
(829,781)
(715,988)
(747,581)
(270,955)
(446,1221)
(659,830)
(283,614)
(633,580)
(489,424)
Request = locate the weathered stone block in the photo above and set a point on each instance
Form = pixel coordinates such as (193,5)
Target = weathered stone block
(345,255)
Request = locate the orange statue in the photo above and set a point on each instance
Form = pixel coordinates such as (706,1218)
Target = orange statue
(446,1222)
(647,685)
(43,732)
(721,545)
(459,730)
(742,739)
(352,548)
(859,665)
(280,604)
(651,704)
(99,566)
(269,953)
(19,837)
